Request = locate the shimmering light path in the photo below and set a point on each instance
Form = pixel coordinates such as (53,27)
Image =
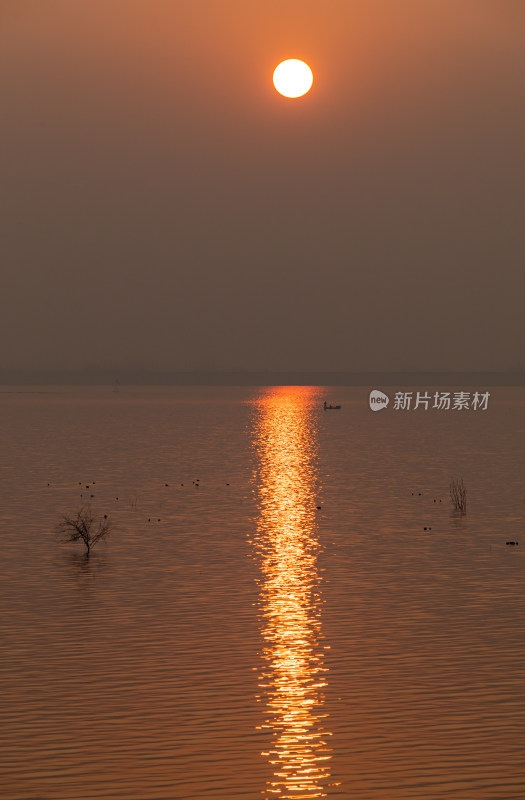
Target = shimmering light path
(294,675)
(134,676)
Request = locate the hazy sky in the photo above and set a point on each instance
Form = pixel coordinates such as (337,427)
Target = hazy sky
(164,208)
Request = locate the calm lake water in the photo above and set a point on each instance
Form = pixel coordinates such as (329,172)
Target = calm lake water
(233,640)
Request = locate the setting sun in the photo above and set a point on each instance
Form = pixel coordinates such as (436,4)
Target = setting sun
(293,78)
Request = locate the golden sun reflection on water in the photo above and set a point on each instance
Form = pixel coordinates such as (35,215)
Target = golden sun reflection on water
(290,603)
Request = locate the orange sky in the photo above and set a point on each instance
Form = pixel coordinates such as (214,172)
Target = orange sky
(225,226)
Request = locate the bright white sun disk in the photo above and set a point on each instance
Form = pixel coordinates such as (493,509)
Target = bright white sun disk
(293,78)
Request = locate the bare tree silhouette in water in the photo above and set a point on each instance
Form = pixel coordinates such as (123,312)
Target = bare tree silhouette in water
(84,526)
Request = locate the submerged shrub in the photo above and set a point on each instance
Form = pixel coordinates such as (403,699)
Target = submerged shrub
(458,494)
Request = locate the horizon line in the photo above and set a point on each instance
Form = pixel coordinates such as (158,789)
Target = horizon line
(246,377)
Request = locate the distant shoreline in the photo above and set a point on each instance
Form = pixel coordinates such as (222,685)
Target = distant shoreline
(258,378)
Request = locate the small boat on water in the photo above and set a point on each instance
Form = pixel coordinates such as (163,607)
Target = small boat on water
(330,407)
